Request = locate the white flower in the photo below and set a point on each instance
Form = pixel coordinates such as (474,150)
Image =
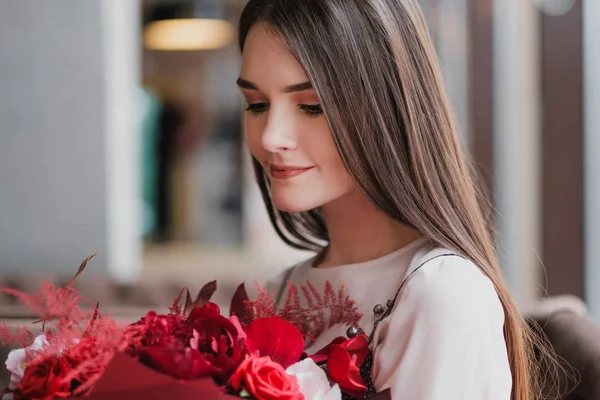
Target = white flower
(8,396)
(15,364)
(17,360)
(313,381)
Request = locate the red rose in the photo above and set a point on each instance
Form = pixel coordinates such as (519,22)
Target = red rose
(344,359)
(44,380)
(265,379)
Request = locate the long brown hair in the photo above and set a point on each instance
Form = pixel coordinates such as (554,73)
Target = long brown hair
(375,70)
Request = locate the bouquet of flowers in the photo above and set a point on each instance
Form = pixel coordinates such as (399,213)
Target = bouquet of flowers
(193,351)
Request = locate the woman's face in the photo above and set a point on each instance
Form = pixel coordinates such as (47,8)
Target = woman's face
(286,129)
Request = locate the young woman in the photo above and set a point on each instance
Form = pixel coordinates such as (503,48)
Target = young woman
(358,157)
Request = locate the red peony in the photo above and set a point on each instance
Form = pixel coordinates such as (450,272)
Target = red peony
(265,379)
(344,359)
(205,344)
(44,380)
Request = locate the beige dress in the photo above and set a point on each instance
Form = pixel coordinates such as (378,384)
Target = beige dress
(443,338)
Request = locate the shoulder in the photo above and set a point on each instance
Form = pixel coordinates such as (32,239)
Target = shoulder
(448,323)
(447,286)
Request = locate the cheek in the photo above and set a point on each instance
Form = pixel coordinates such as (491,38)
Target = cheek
(336,177)
(330,161)
(252,134)
(330,181)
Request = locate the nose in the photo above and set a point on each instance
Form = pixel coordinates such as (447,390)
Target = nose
(278,135)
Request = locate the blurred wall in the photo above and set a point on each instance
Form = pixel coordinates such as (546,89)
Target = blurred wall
(591,88)
(67,131)
(52,180)
(517,132)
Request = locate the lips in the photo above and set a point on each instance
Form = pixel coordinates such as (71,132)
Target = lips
(287,171)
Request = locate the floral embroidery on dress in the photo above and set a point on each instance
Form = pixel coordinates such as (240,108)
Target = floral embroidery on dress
(317,313)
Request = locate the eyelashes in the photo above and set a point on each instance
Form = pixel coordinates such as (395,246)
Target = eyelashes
(257,108)
(310,110)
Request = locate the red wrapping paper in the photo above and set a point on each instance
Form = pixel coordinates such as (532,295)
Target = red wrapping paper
(127,379)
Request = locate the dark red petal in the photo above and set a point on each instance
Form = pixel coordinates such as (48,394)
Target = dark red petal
(275,338)
(238,303)
(203,296)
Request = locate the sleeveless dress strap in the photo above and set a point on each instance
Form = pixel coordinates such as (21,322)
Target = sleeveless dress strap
(416,269)
(366,370)
(430,256)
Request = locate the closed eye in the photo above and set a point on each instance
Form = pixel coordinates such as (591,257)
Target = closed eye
(257,108)
(312,110)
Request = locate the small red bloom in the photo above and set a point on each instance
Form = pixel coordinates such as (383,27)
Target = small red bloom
(265,379)
(44,380)
(151,330)
(276,338)
(344,359)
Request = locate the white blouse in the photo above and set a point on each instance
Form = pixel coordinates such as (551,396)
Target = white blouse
(444,337)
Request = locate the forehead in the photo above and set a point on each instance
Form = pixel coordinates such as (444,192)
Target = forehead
(266,56)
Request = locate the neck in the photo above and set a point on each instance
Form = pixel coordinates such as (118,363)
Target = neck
(359,231)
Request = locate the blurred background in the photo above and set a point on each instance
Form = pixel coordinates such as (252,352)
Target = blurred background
(121,134)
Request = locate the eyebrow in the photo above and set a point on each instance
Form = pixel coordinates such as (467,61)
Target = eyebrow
(298,87)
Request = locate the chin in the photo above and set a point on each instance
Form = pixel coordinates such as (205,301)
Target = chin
(292,206)
(287,202)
